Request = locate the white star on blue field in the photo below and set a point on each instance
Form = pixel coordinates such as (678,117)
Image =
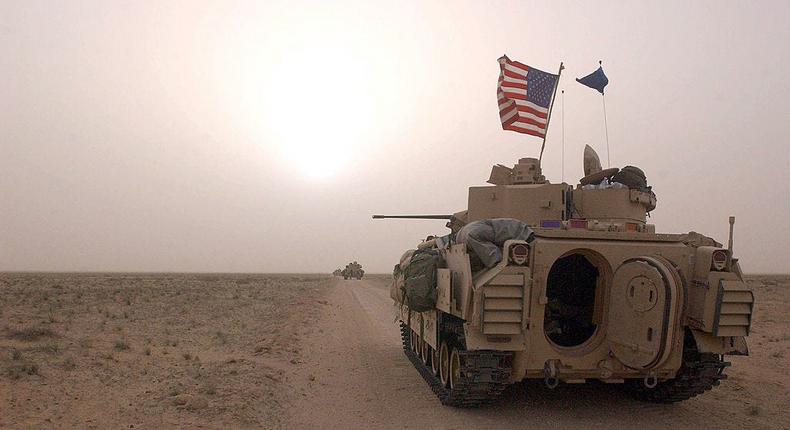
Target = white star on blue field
(539,87)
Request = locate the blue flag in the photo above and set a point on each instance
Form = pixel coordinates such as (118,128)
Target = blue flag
(596,80)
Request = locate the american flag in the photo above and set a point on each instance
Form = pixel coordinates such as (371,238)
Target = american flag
(524,96)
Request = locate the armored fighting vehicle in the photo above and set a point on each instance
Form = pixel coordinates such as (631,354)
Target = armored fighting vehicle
(567,285)
(353,270)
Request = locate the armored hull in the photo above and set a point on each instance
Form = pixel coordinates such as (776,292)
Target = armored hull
(592,293)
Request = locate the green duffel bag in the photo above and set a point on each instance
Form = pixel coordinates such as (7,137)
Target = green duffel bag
(419,288)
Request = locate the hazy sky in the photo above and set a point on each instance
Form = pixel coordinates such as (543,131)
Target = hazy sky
(261,136)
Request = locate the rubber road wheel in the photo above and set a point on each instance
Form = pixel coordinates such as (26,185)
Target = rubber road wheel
(435,362)
(444,364)
(455,368)
(426,354)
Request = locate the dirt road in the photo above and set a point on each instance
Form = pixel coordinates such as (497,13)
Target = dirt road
(355,375)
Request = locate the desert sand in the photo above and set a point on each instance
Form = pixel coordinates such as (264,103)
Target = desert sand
(301,351)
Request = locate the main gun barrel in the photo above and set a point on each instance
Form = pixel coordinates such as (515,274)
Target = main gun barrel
(447,217)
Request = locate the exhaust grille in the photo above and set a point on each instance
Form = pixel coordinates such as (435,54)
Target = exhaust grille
(503,305)
(733,309)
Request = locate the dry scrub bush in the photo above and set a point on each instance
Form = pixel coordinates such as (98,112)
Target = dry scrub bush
(29,334)
(16,371)
(50,348)
(68,364)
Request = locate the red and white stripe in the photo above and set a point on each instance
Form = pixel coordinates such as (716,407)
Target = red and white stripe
(515,112)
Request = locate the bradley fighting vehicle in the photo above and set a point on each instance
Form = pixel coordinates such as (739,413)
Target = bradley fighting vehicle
(591,292)
(352,270)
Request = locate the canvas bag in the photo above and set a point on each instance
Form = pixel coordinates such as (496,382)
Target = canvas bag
(419,287)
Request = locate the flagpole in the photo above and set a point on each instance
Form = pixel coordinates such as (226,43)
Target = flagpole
(605,125)
(548,118)
(563,134)
(606,131)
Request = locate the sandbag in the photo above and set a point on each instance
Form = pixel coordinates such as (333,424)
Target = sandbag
(485,238)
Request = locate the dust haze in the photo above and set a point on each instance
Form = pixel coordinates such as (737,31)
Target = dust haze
(246,137)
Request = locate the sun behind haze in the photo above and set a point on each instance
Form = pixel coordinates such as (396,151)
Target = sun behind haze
(261,136)
(310,99)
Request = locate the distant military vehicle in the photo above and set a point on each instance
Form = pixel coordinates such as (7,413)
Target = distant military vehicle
(569,284)
(353,270)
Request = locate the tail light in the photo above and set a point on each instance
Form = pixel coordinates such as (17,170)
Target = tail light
(719,260)
(519,253)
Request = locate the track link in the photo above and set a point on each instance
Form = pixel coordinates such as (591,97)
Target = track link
(484,375)
(699,372)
